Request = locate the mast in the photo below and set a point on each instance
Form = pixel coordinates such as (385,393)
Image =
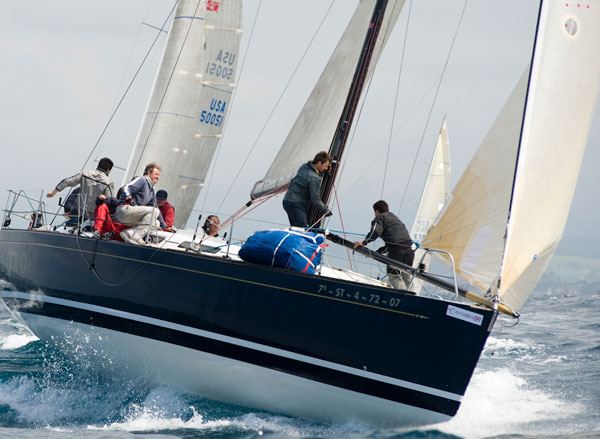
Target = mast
(343,127)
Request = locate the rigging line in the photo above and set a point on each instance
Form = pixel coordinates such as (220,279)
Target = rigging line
(93,268)
(411,114)
(258,202)
(239,213)
(135,43)
(277,102)
(125,71)
(462,14)
(224,131)
(342,223)
(387,157)
(164,95)
(127,90)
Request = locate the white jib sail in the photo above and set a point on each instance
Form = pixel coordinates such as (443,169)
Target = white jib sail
(433,198)
(472,224)
(315,126)
(560,105)
(191,96)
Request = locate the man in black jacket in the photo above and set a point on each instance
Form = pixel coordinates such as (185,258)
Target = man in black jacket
(398,244)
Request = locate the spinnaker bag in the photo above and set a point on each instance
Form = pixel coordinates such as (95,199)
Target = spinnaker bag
(295,250)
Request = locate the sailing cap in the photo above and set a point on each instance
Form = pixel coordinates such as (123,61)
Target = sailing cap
(161,194)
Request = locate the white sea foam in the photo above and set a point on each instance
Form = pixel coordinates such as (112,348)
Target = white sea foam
(507,344)
(6,285)
(15,341)
(148,419)
(165,409)
(500,402)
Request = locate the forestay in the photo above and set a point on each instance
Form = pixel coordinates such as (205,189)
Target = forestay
(509,256)
(315,126)
(190,99)
(433,198)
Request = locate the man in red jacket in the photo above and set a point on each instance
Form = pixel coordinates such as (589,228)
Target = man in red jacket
(166,209)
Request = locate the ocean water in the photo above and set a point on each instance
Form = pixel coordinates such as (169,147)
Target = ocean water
(538,379)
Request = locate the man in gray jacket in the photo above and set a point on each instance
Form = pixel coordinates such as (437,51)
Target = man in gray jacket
(398,244)
(92,183)
(305,190)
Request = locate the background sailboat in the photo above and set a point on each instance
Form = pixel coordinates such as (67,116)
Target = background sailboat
(190,100)
(435,193)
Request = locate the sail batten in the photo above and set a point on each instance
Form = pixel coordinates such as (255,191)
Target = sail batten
(190,100)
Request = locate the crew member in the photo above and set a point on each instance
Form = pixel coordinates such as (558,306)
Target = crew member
(92,183)
(166,209)
(305,190)
(211,225)
(398,244)
(137,206)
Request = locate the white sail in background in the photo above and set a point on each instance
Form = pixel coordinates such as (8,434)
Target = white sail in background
(315,126)
(560,105)
(433,198)
(472,225)
(191,96)
(555,125)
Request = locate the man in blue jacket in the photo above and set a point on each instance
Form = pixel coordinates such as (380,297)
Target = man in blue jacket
(305,190)
(137,206)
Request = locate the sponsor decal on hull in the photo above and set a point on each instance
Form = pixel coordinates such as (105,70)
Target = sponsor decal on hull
(463,314)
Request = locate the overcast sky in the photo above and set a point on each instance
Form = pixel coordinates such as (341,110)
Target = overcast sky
(66,63)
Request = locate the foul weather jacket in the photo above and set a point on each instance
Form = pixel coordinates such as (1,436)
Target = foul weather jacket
(168,213)
(398,243)
(305,189)
(92,183)
(141,191)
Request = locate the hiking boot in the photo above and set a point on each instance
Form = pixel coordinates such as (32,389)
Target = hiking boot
(96,234)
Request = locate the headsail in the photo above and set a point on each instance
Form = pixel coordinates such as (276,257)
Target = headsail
(561,100)
(472,225)
(191,96)
(315,126)
(433,197)
(561,95)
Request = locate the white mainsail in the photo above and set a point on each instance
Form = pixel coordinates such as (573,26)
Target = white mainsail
(315,126)
(433,198)
(563,84)
(190,99)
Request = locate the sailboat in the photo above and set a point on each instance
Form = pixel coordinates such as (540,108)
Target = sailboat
(335,345)
(433,199)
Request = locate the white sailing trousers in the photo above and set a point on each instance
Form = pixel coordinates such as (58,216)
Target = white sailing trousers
(139,217)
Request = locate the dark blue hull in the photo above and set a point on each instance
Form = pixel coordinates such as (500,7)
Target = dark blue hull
(374,341)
